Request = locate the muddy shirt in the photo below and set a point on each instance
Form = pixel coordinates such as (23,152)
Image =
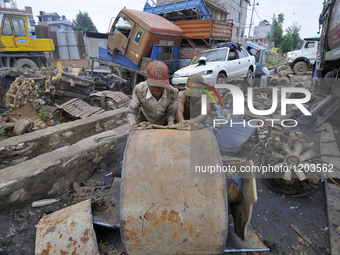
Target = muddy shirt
(156,112)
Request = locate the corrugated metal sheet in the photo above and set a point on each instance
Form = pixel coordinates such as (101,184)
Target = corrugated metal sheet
(198,29)
(198,6)
(153,23)
(78,108)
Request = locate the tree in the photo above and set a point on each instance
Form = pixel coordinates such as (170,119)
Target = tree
(294,30)
(84,23)
(287,43)
(276,36)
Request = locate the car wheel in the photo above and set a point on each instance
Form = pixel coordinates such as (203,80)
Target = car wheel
(249,80)
(300,68)
(221,79)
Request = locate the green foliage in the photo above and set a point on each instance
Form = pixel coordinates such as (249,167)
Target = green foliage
(270,61)
(276,36)
(44,115)
(294,30)
(84,23)
(287,43)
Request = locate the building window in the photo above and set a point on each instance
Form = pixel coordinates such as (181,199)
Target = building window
(239,17)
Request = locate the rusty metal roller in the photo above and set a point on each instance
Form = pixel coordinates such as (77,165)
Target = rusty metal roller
(166,207)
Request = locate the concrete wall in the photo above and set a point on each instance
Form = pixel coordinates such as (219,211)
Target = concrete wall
(18,149)
(53,173)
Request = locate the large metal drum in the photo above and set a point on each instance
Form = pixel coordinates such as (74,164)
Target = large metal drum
(166,207)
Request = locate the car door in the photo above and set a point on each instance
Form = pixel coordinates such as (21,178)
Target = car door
(245,62)
(21,33)
(232,65)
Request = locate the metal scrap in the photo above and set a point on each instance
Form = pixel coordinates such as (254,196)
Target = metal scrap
(76,107)
(21,92)
(110,100)
(67,231)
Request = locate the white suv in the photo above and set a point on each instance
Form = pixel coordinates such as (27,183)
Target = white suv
(219,65)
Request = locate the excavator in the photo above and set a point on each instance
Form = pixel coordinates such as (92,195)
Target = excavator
(18,48)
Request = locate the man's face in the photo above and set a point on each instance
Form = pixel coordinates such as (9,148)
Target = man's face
(156,91)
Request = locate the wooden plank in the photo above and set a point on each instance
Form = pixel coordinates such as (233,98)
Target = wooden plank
(333,205)
(329,146)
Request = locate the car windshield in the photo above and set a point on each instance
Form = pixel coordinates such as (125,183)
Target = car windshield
(212,55)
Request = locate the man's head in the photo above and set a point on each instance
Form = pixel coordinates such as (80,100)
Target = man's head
(157,74)
(194,85)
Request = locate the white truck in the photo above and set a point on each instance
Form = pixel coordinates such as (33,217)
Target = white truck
(301,60)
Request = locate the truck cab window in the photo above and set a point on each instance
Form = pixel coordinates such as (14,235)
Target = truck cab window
(138,36)
(6,29)
(310,45)
(123,26)
(19,26)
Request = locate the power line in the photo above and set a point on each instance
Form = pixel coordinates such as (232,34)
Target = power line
(257,15)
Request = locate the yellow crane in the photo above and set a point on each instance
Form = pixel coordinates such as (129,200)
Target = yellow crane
(17,47)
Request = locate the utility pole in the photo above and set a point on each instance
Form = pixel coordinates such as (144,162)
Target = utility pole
(251,19)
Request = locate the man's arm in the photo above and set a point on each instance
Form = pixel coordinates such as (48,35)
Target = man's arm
(172,108)
(133,109)
(180,111)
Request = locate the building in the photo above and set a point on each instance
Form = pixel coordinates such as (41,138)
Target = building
(54,22)
(262,30)
(11,8)
(233,10)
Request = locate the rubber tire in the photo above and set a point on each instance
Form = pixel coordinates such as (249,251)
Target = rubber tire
(300,68)
(274,81)
(25,62)
(249,78)
(221,77)
(284,82)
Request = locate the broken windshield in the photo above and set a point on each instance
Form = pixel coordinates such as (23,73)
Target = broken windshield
(212,55)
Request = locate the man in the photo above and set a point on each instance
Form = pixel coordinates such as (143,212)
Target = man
(154,100)
(189,101)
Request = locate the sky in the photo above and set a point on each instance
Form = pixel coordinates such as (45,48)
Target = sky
(304,12)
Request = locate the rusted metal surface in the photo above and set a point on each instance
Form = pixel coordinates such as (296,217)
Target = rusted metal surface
(154,29)
(22,91)
(153,23)
(251,244)
(67,231)
(29,111)
(165,207)
(80,109)
(207,28)
(110,100)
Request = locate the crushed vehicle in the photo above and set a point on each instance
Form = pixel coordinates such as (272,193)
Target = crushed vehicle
(219,65)
(301,60)
(17,47)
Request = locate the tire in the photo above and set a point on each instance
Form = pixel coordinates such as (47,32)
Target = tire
(300,68)
(284,82)
(221,79)
(274,81)
(26,63)
(249,78)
